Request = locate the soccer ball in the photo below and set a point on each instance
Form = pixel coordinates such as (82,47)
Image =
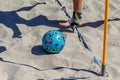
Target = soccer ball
(53,41)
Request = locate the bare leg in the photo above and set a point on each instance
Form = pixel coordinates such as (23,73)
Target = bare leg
(77,4)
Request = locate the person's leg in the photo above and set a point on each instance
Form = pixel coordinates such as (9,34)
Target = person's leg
(77,6)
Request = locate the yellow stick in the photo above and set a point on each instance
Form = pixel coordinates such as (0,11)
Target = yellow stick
(105,37)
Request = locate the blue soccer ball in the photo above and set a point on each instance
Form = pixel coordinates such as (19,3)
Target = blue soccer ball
(53,41)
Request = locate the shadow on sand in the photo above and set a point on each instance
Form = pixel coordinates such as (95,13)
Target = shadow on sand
(38,50)
(2,49)
(98,23)
(11,18)
(55,68)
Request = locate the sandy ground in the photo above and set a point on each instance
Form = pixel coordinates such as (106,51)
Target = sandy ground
(24,22)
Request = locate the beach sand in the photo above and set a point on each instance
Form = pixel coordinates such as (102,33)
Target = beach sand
(24,22)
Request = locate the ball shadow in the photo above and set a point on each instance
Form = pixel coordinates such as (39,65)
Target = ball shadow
(39,50)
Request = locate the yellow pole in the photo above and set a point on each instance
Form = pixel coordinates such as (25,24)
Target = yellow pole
(105,38)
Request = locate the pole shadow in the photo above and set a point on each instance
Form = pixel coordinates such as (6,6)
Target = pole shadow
(98,23)
(75,69)
(54,68)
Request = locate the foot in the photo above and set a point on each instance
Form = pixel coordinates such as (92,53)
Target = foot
(75,20)
(67,24)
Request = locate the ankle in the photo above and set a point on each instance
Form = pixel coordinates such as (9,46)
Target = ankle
(77,15)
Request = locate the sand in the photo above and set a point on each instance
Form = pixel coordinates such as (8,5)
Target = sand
(24,22)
